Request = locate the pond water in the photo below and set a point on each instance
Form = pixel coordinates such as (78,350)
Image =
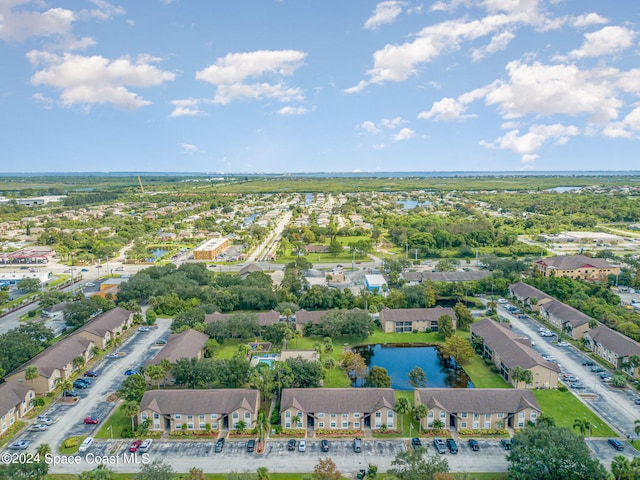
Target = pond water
(399,359)
(157,253)
(563,189)
(409,204)
(250,219)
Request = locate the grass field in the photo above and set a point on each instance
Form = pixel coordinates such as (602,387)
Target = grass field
(118,421)
(565,408)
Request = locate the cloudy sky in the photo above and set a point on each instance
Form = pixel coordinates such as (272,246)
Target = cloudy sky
(326,85)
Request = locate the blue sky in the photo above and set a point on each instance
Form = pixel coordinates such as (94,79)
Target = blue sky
(328,85)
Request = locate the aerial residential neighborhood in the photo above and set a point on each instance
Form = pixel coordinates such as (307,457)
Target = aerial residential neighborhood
(245,348)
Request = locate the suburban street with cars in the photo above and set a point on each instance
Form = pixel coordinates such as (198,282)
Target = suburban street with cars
(68,418)
(615,405)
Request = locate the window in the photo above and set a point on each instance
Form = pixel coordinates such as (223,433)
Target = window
(356,424)
(178,416)
(190,426)
(476,424)
(201,426)
(521,414)
(520,424)
(247,415)
(287,425)
(156,416)
(464,414)
(443,414)
(178,426)
(356,415)
(144,415)
(333,415)
(534,414)
(430,414)
(487,424)
(214,426)
(299,414)
(500,414)
(201,418)
(214,416)
(189,417)
(390,414)
(487,416)
(321,415)
(333,424)
(476,415)
(236,415)
(463,425)
(345,424)
(320,424)
(287,414)
(345,415)
(378,414)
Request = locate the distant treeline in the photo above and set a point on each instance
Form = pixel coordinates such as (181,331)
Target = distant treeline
(90,198)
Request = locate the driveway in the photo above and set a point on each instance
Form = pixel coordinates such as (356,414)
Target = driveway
(614,405)
(93,400)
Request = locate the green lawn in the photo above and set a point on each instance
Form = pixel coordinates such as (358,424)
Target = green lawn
(118,421)
(565,408)
(482,376)
(285,476)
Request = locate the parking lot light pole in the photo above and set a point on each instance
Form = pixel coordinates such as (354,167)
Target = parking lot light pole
(110,428)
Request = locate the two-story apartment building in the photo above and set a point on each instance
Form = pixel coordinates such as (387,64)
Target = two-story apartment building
(399,320)
(614,347)
(106,326)
(53,363)
(528,295)
(477,408)
(220,409)
(337,408)
(568,319)
(264,319)
(15,402)
(187,344)
(579,267)
(508,351)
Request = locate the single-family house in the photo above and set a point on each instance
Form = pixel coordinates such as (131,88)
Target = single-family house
(219,409)
(615,348)
(508,351)
(106,326)
(477,408)
(337,408)
(399,320)
(15,402)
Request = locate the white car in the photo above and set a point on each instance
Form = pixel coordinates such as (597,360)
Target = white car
(563,344)
(86,443)
(302,446)
(144,446)
(90,284)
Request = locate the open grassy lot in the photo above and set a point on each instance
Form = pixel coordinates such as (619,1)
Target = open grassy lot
(565,408)
(118,421)
(482,376)
(287,476)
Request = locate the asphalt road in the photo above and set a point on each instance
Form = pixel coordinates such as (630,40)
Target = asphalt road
(93,400)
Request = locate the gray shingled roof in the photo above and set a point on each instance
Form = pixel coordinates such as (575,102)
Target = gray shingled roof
(614,341)
(572,262)
(304,316)
(11,394)
(200,402)
(106,322)
(415,314)
(337,400)
(478,400)
(469,276)
(58,355)
(566,313)
(264,318)
(181,345)
(526,292)
(513,351)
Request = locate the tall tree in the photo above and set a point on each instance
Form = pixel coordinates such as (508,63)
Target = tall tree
(463,316)
(326,469)
(445,326)
(417,377)
(415,465)
(158,469)
(549,453)
(402,407)
(378,377)
(131,409)
(457,348)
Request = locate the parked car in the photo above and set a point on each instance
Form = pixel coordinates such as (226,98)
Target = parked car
(474,445)
(86,443)
(597,369)
(21,445)
(84,270)
(144,329)
(506,443)
(130,372)
(637,401)
(617,444)
(91,373)
(588,363)
(90,421)
(90,284)
(324,445)
(357,445)
(86,380)
(112,355)
(38,427)
(219,445)
(80,385)
(44,420)
(69,393)
(251,445)
(577,386)
(439,445)
(563,344)
(451,445)
(302,446)
(291,445)
(416,443)
(135,445)
(145,446)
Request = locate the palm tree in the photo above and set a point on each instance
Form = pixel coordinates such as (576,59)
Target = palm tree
(421,412)
(297,334)
(620,467)
(637,426)
(155,372)
(295,421)
(66,385)
(262,423)
(44,449)
(583,425)
(328,364)
(263,474)
(37,402)
(403,407)
(131,409)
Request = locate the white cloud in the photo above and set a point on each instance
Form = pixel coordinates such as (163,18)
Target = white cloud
(392,122)
(189,107)
(288,111)
(97,80)
(22,24)
(404,134)
(498,42)
(588,20)
(385,12)
(447,109)
(378,146)
(529,143)
(369,127)
(608,40)
(629,127)
(189,149)
(555,89)
(229,73)
(104,10)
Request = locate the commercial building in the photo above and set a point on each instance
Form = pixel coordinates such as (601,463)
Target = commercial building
(578,267)
(211,249)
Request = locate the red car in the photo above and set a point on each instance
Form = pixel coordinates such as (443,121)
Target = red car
(90,421)
(135,445)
